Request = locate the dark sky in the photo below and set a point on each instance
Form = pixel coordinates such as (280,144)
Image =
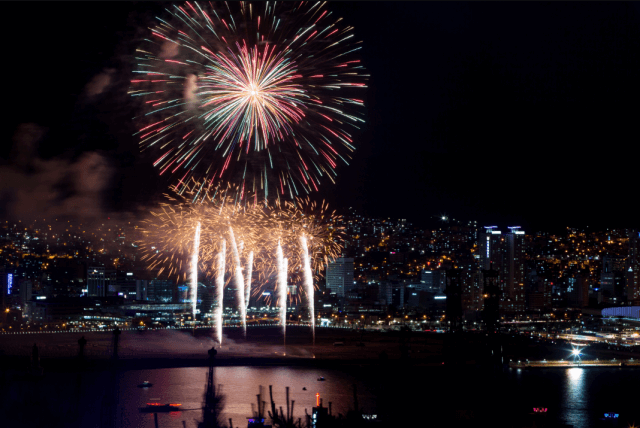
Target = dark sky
(505,113)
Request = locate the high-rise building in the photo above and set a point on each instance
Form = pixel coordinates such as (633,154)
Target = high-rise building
(6,288)
(385,292)
(340,276)
(490,245)
(493,255)
(26,289)
(433,280)
(100,280)
(492,295)
(471,293)
(398,295)
(392,293)
(515,268)
(539,296)
(141,289)
(578,291)
(633,267)
(454,299)
(612,279)
(126,285)
(161,290)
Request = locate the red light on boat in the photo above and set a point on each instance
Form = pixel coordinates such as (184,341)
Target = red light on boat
(175,405)
(153,404)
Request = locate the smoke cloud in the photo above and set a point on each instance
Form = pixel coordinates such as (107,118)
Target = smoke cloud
(99,83)
(168,50)
(190,87)
(32,187)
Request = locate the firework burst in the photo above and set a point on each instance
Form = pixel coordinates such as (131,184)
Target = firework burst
(256,232)
(262,95)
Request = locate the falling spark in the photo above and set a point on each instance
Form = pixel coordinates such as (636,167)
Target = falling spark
(194,272)
(308,282)
(247,290)
(239,283)
(282,287)
(220,291)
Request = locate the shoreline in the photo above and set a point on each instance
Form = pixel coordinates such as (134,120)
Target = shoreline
(74,364)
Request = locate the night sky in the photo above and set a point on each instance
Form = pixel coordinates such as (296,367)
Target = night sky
(506,113)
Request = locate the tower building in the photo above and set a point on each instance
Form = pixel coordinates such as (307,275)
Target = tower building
(633,267)
(101,281)
(515,268)
(340,276)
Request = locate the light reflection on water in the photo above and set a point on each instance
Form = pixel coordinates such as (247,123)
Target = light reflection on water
(575,397)
(62,400)
(240,385)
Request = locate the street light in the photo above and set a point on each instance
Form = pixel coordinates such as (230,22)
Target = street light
(576,354)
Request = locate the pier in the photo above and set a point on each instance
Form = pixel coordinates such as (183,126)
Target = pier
(563,364)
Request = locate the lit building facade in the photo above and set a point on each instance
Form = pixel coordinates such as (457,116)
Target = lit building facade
(340,276)
(100,280)
(578,291)
(612,279)
(633,267)
(432,280)
(516,253)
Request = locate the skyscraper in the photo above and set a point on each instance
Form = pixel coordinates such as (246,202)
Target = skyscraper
(515,268)
(493,257)
(490,244)
(161,290)
(26,289)
(5,280)
(612,279)
(432,280)
(454,299)
(492,296)
(340,276)
(633,267)
(99,280)
(578,291)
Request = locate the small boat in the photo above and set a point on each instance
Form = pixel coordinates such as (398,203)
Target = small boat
(321,378)
(160,408)
(256,423)
(145,384)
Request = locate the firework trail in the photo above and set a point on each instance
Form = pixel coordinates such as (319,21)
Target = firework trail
(247,289)
(194,272)
(239,283)
(308,285)
(262,95)
(220,291)
(282,288)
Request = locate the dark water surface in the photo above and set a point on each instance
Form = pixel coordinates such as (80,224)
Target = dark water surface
(575,396)
(63,400)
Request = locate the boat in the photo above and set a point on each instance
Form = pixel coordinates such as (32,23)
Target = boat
(256,423)
(321,378)
(145,384)
(160,408)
